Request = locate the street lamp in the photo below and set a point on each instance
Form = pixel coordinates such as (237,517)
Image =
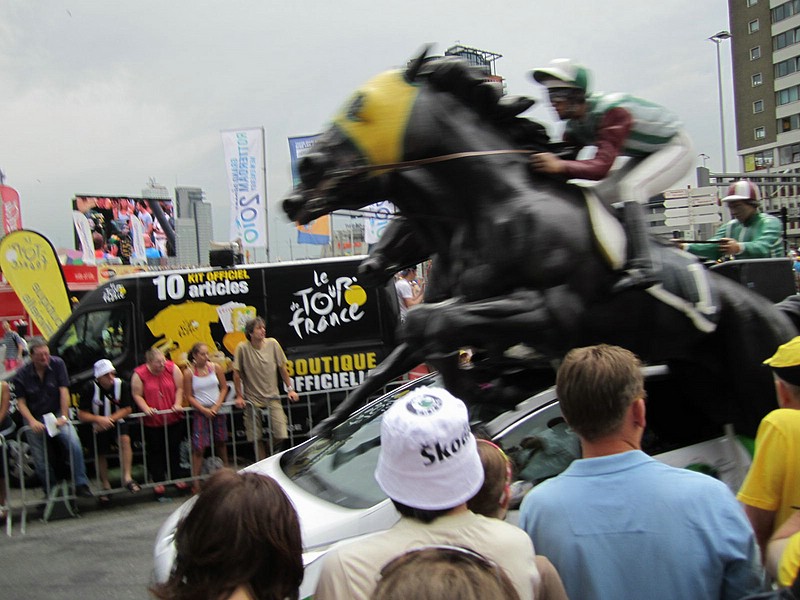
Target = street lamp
(717,39)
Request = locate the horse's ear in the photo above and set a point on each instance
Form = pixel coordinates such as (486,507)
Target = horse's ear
(511,106)
(416,64)
(484,97)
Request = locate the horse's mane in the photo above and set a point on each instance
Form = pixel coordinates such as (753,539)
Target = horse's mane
(467,83)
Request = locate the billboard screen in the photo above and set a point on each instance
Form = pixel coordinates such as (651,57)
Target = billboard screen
(109,221)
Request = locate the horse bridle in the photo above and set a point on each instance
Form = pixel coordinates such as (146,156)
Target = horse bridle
(337,176)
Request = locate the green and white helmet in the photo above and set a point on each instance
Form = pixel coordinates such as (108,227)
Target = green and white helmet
(563,73)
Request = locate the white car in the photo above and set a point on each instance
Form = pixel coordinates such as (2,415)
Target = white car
(331,483)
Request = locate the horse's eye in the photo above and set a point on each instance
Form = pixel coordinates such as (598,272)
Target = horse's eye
(354,110)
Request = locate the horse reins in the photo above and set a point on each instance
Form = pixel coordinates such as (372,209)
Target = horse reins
(338,176)
(410,164)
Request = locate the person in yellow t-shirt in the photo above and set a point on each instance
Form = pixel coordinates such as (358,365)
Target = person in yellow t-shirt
(783,552)
(770,489)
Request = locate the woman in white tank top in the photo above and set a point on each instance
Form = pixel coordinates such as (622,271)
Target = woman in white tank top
(205,387)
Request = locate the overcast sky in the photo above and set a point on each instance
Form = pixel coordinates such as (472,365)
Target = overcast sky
(97,97)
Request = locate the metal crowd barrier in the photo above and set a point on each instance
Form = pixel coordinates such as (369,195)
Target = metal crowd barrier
(63,490)
(5,484)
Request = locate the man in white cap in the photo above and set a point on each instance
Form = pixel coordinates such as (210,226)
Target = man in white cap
(105,402)
(750,234)
(770,492)
(429,467)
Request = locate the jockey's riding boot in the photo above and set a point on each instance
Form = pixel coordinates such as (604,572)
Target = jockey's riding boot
(640,272)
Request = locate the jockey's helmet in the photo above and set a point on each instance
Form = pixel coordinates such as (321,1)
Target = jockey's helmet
(563,73)
(743,190)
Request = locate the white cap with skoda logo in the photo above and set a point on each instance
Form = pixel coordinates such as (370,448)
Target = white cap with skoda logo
(428,459)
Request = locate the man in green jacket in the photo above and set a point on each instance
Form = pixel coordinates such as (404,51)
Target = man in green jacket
(750,234)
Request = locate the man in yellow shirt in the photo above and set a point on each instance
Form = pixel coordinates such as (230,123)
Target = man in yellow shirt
(783,554)
(770,489)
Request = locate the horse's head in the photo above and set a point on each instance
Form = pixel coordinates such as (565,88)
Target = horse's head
(379,128)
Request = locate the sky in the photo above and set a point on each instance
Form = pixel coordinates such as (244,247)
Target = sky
(98,97)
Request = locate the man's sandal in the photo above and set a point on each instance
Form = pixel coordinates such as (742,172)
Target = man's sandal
(133,487)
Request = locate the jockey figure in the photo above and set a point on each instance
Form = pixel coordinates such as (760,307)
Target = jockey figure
(660,152)
(750,234)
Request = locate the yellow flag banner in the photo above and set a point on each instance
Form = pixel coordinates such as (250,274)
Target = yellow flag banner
(30,265)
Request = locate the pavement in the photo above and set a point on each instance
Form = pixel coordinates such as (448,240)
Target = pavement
(106,553)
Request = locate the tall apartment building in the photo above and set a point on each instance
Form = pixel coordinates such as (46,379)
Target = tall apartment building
(193,226)
(156,191)
(765,50)
(763,82)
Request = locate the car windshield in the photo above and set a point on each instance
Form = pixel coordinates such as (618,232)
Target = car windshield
(339,469)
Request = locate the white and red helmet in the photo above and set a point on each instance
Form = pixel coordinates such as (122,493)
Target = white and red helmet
(743,190)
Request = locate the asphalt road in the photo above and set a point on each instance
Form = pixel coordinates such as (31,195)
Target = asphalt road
(103,554)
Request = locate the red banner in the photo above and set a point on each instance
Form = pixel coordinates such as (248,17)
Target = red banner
(12,216)
(80,277)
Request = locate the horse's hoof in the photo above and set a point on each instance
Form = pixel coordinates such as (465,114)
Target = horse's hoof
(323,429)
(371,272)
(634,280)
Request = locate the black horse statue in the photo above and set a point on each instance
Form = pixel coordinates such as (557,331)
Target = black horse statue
(523,266)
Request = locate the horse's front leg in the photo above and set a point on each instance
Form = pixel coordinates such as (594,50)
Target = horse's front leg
(400,361)
(547,320)
(400,246)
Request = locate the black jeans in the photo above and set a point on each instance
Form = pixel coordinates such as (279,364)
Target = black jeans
(163,451)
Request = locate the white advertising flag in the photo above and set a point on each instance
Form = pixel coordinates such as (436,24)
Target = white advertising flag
(244,163)
(85,236)
(139,255)
(377,217)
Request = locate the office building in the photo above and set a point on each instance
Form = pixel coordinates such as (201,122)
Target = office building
(195,228)
(765,51)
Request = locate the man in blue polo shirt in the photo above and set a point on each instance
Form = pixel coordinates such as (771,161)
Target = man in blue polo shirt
(42,386)
(618,523)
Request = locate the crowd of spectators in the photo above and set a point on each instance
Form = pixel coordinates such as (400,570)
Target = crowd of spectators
(157,397)
(613,524)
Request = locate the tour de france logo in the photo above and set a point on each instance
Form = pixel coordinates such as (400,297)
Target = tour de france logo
(424,405)
(329,302)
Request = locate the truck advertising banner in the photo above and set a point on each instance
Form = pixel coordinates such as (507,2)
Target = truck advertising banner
(313,311)
(245,166)
(332,329)
(329,325)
